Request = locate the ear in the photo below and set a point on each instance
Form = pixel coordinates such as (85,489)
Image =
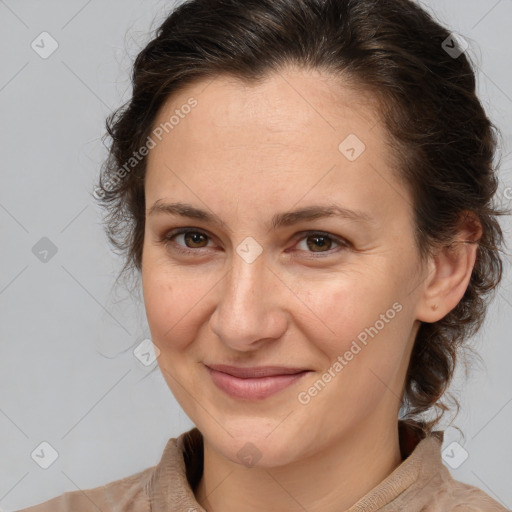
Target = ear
(450,271)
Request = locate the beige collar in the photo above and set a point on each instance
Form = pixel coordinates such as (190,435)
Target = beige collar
(180,468)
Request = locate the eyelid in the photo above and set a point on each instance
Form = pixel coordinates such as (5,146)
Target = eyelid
(165,239)
(338,239)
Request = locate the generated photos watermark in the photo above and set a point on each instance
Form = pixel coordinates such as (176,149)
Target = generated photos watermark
(142,152)
(304,397)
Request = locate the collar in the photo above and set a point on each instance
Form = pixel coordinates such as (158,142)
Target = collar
(181,465)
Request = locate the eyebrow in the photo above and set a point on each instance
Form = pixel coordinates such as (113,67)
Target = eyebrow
(278,220)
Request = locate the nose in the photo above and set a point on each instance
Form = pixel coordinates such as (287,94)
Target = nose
(249,310)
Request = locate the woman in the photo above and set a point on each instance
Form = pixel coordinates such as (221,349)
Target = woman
(305,187)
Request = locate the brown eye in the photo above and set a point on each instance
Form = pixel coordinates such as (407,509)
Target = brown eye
(318,243)
(321,243)
(194,239)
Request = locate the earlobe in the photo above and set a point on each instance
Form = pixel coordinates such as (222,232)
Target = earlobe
(453,266)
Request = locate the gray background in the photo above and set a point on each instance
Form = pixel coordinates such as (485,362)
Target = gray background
(68,375)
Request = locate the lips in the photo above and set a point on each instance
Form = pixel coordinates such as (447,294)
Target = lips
(255,371)
(254,383)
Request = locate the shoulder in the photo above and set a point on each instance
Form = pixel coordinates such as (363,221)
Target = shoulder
(123,495)
(423,483)
(438,491)
(468,498)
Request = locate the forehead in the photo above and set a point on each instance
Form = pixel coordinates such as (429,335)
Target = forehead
(290,100)
(294,126)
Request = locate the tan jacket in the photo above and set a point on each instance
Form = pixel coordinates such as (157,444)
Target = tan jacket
(420,484)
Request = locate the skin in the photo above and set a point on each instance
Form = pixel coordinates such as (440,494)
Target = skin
(245,153)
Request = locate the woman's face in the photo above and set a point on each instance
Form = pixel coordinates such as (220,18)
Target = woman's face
(269,282)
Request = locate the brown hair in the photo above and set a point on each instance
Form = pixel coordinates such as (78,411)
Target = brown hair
(443,141)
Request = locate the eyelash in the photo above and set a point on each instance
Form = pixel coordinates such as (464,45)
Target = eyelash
(166,240)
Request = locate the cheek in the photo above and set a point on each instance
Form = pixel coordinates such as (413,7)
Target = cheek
(169,303)
(344,305)
(362,320)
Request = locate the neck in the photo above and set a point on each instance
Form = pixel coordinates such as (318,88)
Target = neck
(330,481)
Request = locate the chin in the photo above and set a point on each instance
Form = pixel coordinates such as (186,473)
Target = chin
(254,442)
(260,452)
